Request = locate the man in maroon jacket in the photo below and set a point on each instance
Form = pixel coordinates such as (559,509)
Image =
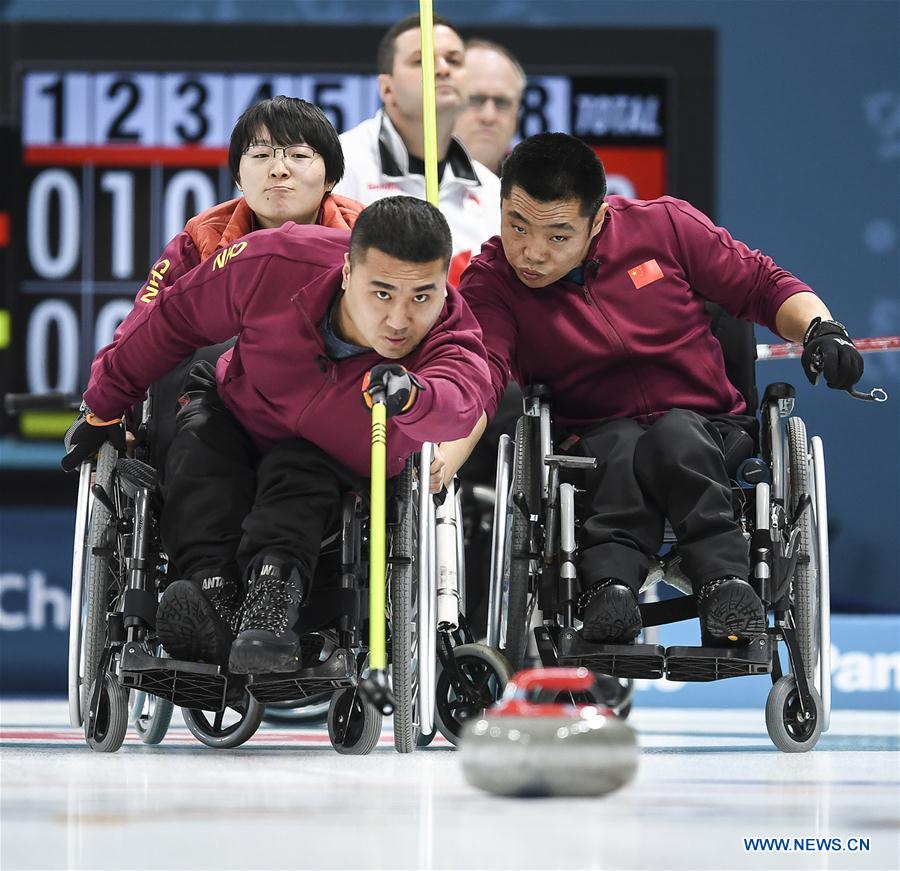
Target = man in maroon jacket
(263,450)
(603,300)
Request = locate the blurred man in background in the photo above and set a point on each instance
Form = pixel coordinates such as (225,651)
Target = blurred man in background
(496,83)
(385,155)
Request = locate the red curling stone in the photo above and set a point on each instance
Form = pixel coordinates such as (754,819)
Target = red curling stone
(524,748)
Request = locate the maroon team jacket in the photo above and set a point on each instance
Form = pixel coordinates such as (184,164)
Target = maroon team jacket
(635,340)
(217,228)
(271,289)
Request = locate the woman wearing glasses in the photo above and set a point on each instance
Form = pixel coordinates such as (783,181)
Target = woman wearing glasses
(285,158)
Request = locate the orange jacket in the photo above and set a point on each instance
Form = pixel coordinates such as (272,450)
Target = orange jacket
(224,224)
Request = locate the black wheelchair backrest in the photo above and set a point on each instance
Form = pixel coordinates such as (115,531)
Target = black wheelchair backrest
(738,343)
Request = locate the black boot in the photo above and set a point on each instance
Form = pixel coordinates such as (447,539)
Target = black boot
(610,613)
(197,620)
(730,612)
(266,640)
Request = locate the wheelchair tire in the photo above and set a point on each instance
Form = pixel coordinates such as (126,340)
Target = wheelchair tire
(151,716)
(353,725)
(309,712)
(101,577)
(789,731)
(805,581)
(112,717)
(404,594)
(486,671)
(525,482)
(424,740)
(216,734)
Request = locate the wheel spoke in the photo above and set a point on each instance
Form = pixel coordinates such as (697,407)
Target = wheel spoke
(483,681)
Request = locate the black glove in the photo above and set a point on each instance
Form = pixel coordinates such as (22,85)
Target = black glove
(86,435)
(827,350)
(399,388)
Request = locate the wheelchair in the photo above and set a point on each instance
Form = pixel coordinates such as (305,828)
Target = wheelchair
(779,494)
(440,677)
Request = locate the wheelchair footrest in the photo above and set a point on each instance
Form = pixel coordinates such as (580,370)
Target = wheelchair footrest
(618,660)
(336,672)
(195,685)
(716,663)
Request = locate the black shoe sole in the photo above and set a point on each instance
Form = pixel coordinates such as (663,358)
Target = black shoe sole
(260,657)
(732,615)
(612,618)
(186,625)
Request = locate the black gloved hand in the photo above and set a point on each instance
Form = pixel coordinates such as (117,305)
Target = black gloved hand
(86,435)
(827,350)
(399,387)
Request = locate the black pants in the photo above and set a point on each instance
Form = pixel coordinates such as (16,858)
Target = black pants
(227,504)
(675,469)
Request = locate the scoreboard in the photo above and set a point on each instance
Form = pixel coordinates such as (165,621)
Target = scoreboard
(113,159)
(114,164)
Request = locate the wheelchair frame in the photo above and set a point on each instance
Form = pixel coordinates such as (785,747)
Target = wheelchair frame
(437,624)
(129,653)
(782,523)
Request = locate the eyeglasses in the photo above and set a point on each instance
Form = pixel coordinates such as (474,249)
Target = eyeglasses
(295,155)
(501,104)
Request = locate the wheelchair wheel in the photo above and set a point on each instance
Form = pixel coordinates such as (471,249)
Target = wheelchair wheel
(789,730)
(226,729)
(805,583)
(308,712)
(151,716)
(404,602)
(485,674)
(112,716)
(353,726)
(101,581)
(517,594)
(424,740)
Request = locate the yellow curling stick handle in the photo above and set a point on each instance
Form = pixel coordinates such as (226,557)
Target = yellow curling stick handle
(429,102)
(375,689)
(377,564)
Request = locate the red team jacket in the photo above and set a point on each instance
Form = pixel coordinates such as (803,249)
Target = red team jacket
(271,289)
(635,340)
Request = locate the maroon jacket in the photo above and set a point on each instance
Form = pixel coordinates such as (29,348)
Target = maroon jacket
(217,228)
(271,289)
(635,340)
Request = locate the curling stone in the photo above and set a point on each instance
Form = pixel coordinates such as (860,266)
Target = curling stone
(523,748)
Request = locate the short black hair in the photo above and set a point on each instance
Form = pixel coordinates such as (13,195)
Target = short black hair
(403,227)
(384,57)
(290,121)
(556,166)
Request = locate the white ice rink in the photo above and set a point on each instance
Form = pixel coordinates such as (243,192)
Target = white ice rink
(707,780)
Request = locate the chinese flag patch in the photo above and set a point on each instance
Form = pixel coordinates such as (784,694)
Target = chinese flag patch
(645,274)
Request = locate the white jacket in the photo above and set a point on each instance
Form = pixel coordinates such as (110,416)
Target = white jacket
(377,165)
